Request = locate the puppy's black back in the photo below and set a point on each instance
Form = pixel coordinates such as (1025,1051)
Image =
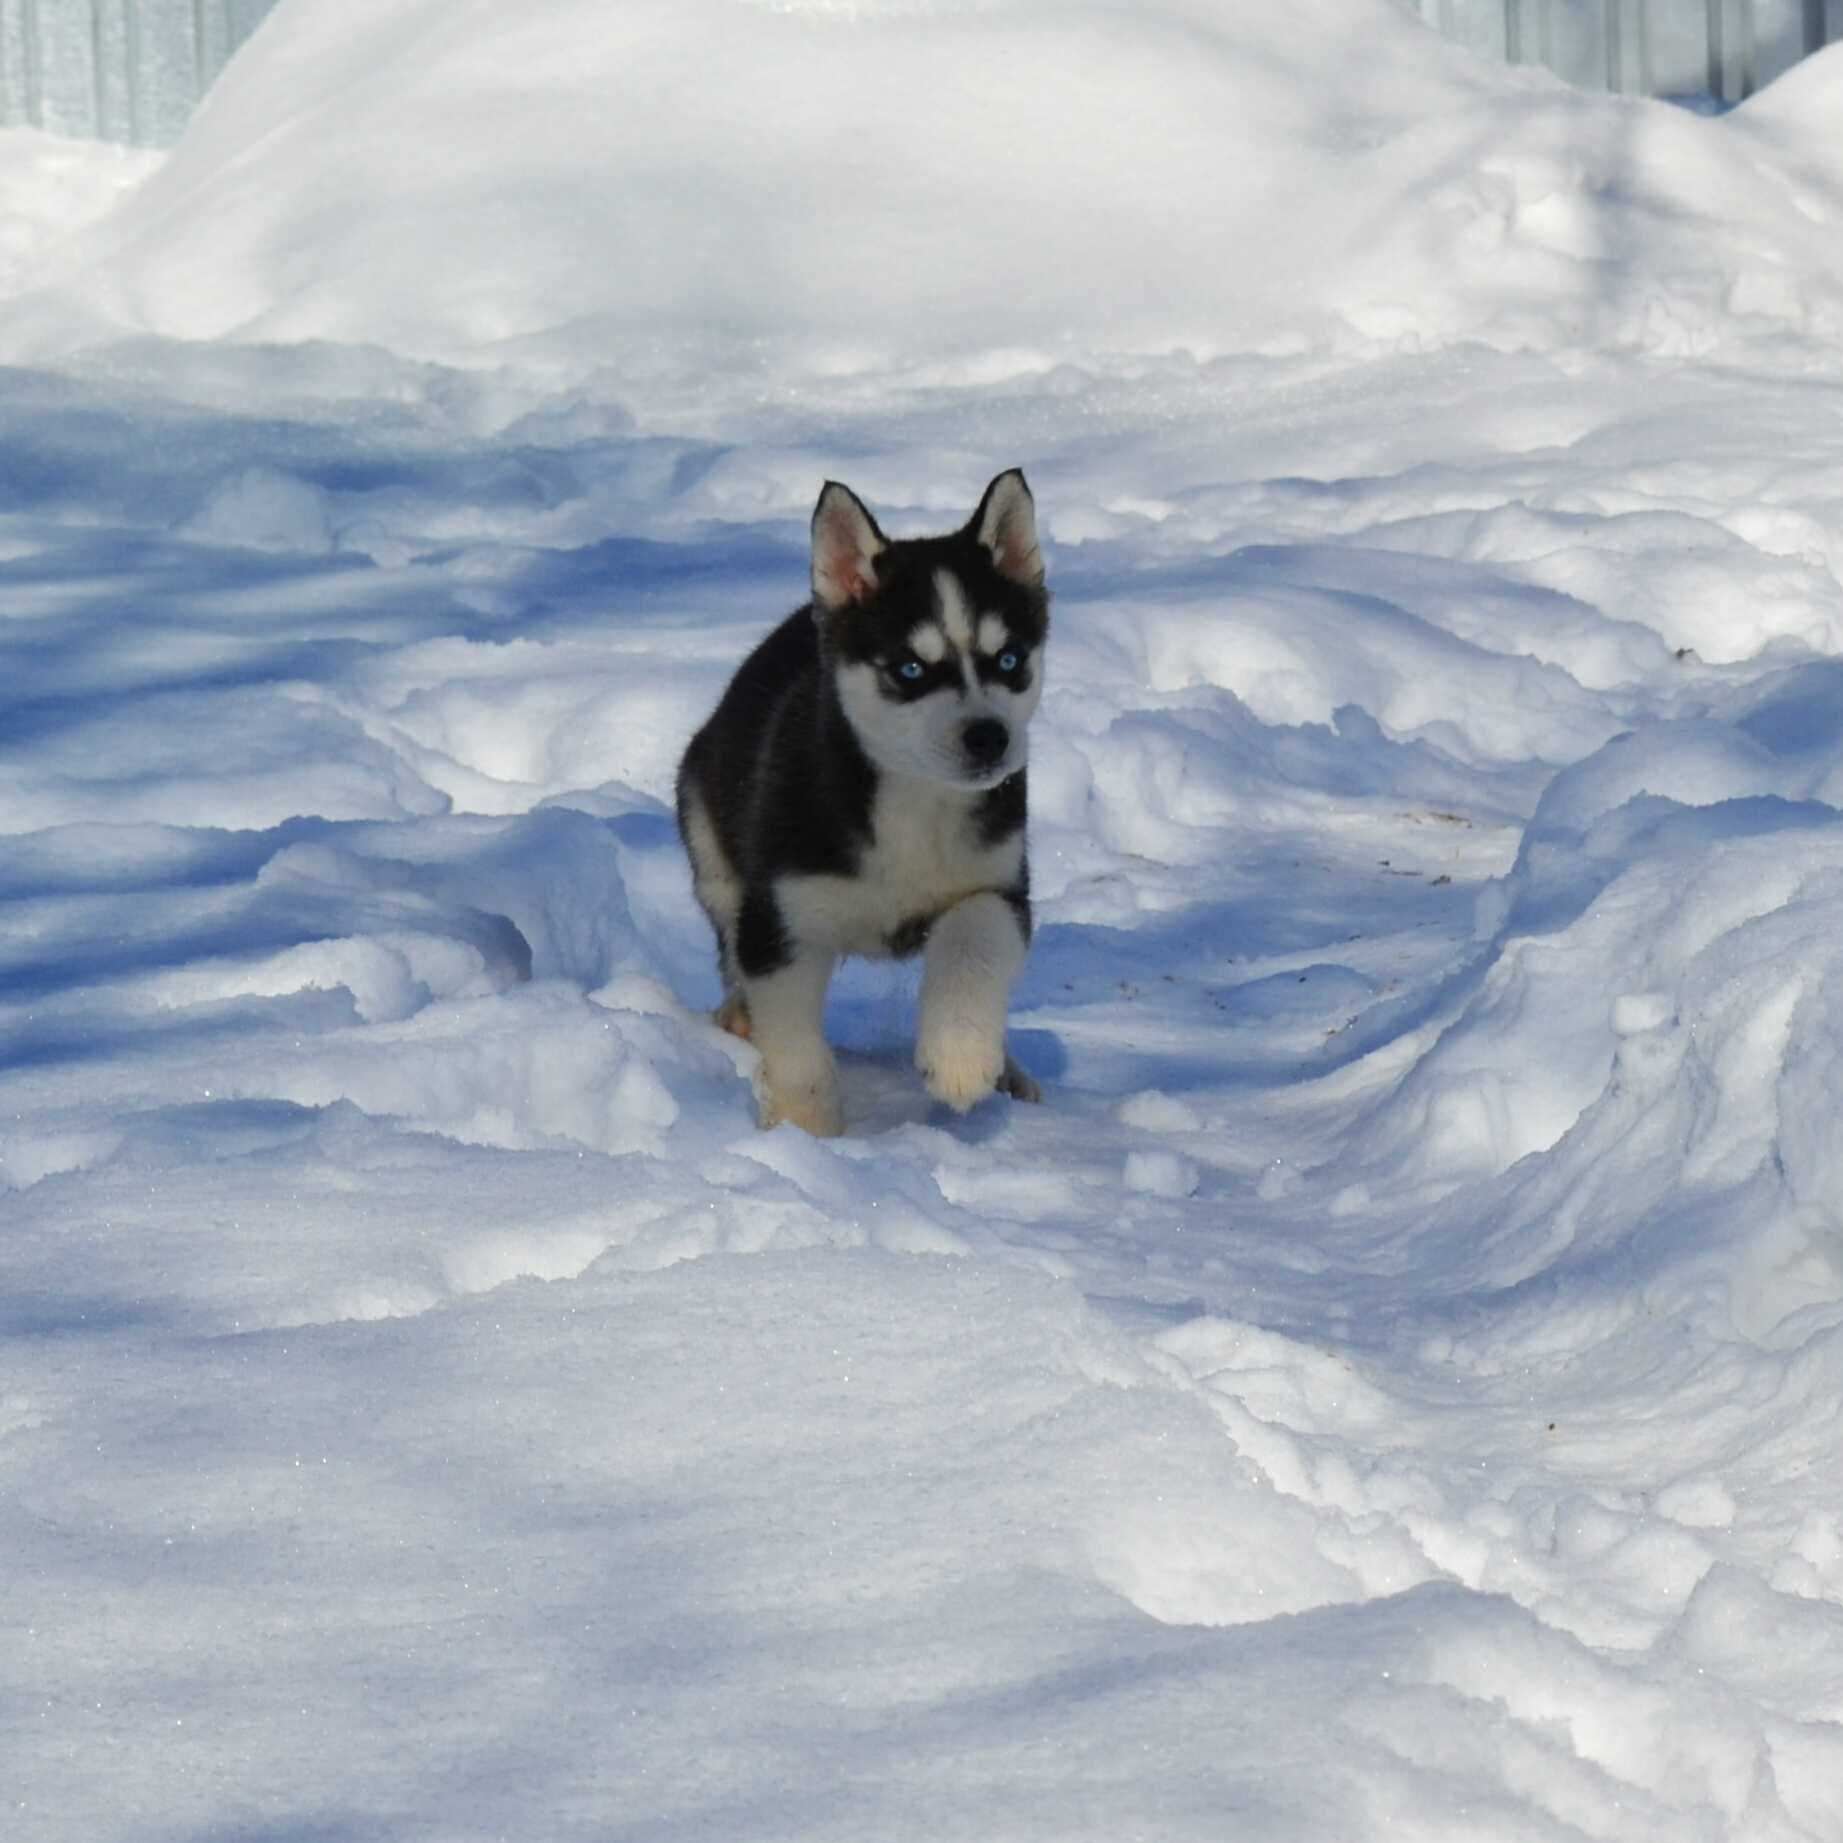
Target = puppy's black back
(786,784)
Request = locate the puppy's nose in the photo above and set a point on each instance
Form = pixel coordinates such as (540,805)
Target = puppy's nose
(985,741)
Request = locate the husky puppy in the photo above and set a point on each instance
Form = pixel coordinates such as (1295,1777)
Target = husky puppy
(859,789)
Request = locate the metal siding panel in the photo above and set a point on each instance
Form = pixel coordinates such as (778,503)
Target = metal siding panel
(61,68)
(1577,42)
(166,83)
(1476,24)
(211,34)
(117,70)
(1654,47)
(245,16)
(1679,43)
(115,106)
(1779,37)
(12,66)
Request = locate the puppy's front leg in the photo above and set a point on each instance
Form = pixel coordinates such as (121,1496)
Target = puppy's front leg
(786,1012)
(974,953)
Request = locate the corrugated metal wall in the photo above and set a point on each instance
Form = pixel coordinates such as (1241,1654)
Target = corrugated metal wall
(1721,48)
(134,70)
(116,70)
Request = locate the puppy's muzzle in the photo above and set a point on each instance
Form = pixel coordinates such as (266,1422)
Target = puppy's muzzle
(984,742)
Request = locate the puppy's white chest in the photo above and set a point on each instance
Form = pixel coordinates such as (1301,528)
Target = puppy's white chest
(924,856)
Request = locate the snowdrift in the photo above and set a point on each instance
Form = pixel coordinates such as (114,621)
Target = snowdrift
(673,184)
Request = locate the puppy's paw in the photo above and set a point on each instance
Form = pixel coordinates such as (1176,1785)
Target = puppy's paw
(1019,1083)
(961,1066)
(733,1015)
(811,1106)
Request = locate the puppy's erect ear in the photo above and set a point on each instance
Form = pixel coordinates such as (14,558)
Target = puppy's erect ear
(1006,524)
(846,545)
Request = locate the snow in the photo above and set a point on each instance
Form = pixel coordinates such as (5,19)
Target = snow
(1391,1386)
(913,173)
(51,188)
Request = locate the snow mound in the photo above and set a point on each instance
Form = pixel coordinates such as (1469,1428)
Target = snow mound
(1645,1048)
(651,185)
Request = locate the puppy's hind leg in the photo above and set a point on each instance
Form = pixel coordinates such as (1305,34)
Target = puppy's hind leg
(719,893)
(732,1014)
(974,953)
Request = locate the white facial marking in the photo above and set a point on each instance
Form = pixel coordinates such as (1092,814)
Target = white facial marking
(924,736)
(956,616)
(915,737)
(991,634)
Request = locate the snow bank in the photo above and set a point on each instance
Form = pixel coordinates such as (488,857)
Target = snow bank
(1630,1096)
(1629,935)
(733,183)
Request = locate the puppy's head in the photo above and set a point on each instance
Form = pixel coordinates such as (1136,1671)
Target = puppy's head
(936,644)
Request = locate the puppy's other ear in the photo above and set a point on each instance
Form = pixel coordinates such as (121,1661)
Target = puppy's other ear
(1006,524)
(846,545)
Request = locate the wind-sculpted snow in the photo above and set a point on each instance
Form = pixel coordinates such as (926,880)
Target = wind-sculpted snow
(1390,1387)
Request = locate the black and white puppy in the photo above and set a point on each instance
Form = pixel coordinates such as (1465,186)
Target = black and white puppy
(859,789)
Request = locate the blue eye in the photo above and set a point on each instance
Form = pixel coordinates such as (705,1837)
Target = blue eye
(911,669)
(1007,662)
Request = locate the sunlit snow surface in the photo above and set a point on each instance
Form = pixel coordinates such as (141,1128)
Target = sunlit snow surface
(1393,1386)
